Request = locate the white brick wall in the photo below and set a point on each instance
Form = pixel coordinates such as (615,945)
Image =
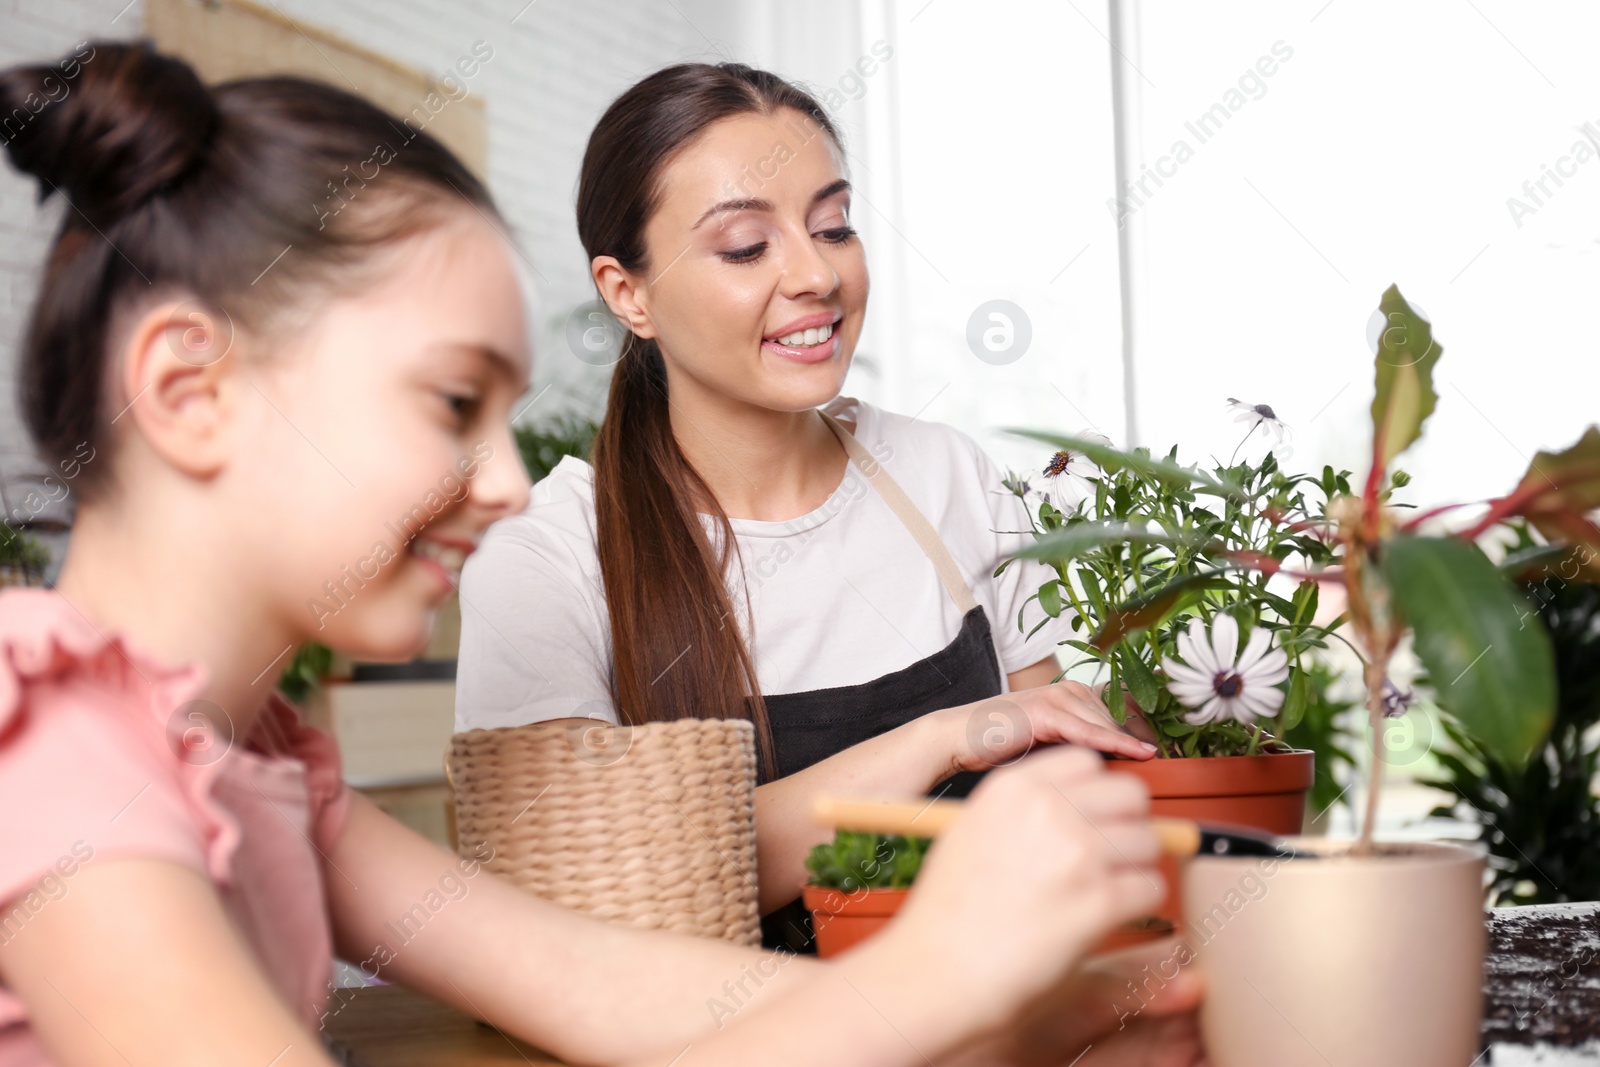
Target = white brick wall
(33,30)
(554,69)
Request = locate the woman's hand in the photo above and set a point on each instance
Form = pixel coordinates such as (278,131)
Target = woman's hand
(1002,729)
(1048,857)
(911,759)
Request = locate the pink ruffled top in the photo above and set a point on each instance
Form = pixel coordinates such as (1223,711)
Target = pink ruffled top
(105,753)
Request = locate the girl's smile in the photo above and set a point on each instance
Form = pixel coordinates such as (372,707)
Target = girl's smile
(443,557)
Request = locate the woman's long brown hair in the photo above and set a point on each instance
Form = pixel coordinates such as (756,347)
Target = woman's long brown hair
(677,652)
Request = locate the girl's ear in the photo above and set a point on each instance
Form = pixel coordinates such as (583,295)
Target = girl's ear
(624,293)
(179,381)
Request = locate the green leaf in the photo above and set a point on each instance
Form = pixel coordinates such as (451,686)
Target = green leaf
(1492,672)
(1141,680)
(1114,460)
(1404,397)
(1084,537)
(1294,704)
(1113,698)
(1148,609)
(1522,562)
(1305,603)
(855,861)
(1570,478)
(1560,488)
(1050,598)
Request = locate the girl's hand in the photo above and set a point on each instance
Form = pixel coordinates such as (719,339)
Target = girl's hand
(1136,1007)
(1002,729)
(1047,858)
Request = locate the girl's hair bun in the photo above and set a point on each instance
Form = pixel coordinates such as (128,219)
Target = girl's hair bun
(107,127)
(184,189)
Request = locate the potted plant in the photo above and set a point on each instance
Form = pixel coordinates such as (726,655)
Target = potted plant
(1374,952)
(858,882)
(22,558)
(1541,821)
(1327,728)
(1194,597)
(307,668)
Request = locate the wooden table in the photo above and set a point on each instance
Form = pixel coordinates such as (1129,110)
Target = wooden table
(1541,1004)
(390,1026)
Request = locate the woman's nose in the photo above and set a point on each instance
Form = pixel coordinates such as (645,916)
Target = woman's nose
(806,272)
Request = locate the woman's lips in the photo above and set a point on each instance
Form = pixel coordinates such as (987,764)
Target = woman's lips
(817,353)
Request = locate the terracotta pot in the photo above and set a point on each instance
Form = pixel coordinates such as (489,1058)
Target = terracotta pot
(842,920)
(1340,962)
(1266,792)
(1138,932)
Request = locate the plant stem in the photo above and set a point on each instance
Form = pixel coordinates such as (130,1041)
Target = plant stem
(1377,670)
(1255,740)
(1242,440)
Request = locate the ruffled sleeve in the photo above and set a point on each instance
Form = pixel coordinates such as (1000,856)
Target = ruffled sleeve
(284,731)
(99,743)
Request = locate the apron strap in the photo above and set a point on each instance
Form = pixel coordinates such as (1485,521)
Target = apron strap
(915,522)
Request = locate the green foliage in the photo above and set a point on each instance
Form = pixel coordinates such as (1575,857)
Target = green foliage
(866,861)
(1404,396)
(1324,727)
(1158,543)
(22,551)
(1558,491)
(1489,670)
(1140,464)
(543,446)
(311,661)
(1541,820)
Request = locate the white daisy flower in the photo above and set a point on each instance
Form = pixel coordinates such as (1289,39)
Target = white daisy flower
(1209,680)
(1258,415)
(1068,473)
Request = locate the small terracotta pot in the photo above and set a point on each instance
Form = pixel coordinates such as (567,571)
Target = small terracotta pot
(1340,961)
(841,920)
(1266,792)
(1138,932)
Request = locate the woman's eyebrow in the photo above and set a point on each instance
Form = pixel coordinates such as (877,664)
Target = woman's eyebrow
(758,204)
(743,204)
(840,186)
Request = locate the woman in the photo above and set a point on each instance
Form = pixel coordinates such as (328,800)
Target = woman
(868,635)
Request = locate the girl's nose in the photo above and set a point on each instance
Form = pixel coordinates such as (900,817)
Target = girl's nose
(501,485)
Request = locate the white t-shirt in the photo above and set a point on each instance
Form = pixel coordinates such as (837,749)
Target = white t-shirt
(840,596)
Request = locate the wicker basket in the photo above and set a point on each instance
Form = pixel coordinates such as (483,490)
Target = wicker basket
(653,825)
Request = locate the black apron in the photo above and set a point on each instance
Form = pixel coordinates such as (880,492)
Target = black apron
(811,726)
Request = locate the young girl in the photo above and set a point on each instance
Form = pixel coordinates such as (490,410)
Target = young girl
(864,629)
(287,332)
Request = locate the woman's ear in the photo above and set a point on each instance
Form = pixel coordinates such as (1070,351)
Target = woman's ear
(179,382)
(624,293)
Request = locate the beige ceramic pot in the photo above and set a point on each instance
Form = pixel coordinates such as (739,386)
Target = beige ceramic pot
(1338,961)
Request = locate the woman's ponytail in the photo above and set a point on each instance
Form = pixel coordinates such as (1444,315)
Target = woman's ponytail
(677,651)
